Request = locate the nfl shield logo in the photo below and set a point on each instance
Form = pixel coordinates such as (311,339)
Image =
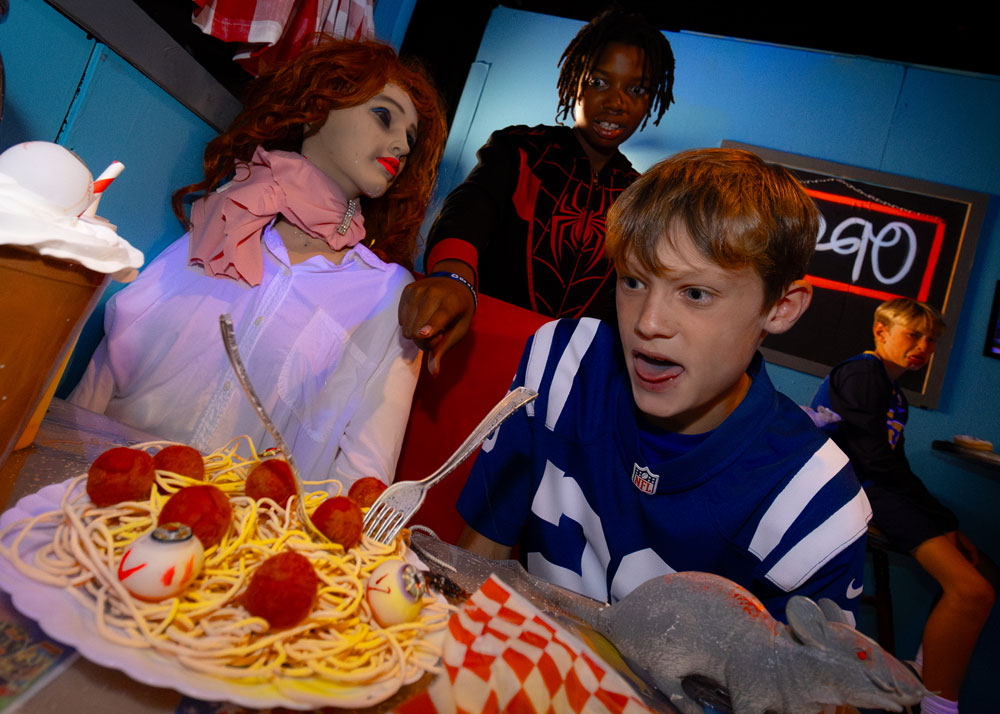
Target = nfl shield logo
(644,479)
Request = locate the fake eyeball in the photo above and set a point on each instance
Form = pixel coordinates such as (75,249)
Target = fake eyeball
(53,172)
(161,564)
(395,592)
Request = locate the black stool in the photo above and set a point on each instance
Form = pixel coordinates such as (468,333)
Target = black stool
(880,547)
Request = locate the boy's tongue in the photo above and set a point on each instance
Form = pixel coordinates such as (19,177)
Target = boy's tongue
(655,370)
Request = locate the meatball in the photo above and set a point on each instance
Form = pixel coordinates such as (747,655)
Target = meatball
(180,459)
(339,519)
(205,509)
(120,474)
(271,479)
(365,490)
(282,590)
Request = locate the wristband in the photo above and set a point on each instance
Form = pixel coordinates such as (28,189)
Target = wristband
(459,278)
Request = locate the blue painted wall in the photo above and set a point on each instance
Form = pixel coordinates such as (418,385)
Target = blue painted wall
(391,20)
(918,122)
(66,87)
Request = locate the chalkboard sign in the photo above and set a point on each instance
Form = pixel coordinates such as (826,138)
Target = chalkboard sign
(992,348)
(881,236)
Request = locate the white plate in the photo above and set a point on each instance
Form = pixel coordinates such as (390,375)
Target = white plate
(64,619)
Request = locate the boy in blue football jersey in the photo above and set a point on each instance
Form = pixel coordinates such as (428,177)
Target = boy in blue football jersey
(665,447)
(864,391)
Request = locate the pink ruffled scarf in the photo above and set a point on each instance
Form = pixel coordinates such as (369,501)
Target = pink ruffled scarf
(226,225)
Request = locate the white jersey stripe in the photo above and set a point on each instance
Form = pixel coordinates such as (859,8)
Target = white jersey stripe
(814,551)
(535,369)
(814,474)
(591,583)
(569,363)
(635,569)
(547,503)
(559,495)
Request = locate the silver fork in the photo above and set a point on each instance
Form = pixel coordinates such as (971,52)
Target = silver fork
(397,504)
(229,339)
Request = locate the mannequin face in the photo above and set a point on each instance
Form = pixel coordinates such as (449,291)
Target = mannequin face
(364,148)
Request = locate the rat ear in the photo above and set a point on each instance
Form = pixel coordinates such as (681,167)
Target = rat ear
(792,304)
(833,612)
(806,621)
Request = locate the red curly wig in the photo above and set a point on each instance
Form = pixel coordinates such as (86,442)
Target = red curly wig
(336,74)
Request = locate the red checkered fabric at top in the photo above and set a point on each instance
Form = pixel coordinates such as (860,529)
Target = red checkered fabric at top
(277,30)
(502,654)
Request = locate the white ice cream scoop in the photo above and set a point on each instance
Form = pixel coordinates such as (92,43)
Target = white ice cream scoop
(53,172)
(43,189)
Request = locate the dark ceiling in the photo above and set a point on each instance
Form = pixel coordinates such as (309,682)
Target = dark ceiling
(446,33)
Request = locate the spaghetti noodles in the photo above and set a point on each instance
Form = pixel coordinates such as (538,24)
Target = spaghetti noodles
(206,628)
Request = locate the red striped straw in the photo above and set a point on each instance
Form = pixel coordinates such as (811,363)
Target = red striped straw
(101,183)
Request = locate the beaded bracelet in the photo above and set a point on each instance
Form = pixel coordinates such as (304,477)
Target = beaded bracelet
(459,278)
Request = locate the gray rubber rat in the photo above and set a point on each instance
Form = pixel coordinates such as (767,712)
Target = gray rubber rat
(685,624)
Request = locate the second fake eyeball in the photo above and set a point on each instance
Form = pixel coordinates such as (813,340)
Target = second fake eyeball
(395,592)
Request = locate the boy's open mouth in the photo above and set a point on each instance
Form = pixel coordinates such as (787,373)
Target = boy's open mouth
(654,369)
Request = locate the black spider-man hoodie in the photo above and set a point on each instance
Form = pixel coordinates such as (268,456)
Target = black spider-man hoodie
(530,218)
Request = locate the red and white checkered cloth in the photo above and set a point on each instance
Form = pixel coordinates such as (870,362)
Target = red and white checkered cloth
(278,29)
(502,654)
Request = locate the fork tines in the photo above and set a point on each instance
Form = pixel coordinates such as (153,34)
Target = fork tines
(382,522)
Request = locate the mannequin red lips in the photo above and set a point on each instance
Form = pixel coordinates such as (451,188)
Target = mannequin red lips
(391,164)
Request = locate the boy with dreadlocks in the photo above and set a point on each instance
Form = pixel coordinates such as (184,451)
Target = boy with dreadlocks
(527,225)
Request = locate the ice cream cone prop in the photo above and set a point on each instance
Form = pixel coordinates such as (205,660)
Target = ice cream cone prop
(54,265)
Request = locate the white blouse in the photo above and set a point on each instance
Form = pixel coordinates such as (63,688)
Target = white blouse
(321,343)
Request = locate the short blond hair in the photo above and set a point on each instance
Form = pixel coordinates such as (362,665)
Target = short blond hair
(909,312)
(739,210)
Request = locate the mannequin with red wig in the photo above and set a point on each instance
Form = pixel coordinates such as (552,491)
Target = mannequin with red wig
(285,106)
(304,229)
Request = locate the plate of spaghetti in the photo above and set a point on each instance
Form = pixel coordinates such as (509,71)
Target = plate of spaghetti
(60,554)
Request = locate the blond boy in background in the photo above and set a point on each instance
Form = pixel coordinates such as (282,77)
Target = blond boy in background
(865,393)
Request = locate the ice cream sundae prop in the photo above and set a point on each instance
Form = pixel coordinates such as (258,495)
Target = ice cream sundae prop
(54,264)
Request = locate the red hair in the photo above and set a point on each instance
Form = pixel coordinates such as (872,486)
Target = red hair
(336,74)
